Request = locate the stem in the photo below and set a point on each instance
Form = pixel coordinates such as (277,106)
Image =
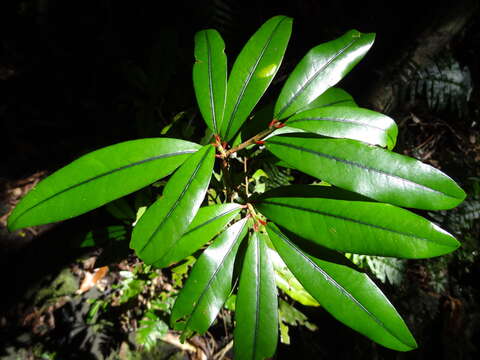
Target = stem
(245,169)
(227,179)
(250,141)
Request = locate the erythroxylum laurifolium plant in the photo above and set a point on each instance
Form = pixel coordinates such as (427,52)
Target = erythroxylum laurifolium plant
(315,129)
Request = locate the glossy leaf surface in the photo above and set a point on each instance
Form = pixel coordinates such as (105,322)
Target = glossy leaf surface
(350,296)
(321,68)
(210,77)
(348,122)
(371,171)
(167,219)
(208,222)
(256,309)
(332,97)
(98,178)
(209,283)
(253,71)
(359,227)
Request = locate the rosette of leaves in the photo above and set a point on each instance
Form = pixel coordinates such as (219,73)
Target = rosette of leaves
(315,129)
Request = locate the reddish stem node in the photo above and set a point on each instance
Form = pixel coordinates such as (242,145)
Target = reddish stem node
(264,223)
(272,123)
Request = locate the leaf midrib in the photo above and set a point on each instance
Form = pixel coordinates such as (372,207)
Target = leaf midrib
(177,202)
(210,83)
(332,281)
(96,177)
(246,83)
(258,284)
(361,166)
(317,73)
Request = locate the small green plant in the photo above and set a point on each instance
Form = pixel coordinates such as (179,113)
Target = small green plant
(313,128)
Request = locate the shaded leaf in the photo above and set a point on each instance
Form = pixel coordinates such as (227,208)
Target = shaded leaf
(209,283)
(151,330)
(167,219)
(350,296)
(210,77)
(374,172)
(253,71)
(256,309)
(291,316)
(99,177)
(101,236)
(322,67)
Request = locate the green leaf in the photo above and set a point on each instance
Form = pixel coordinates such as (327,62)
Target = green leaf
(208,222)
(321,68)
(210,77)
(332,97)
(359,227)
(98,178)
(256,309)
(253,71)
(348,122)
(167,219)
(209,283)
(350,296)
(374,172)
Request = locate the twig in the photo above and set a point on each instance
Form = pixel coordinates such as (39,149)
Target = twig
(250,141)
(223,351)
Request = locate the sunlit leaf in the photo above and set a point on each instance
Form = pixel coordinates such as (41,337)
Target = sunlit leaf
(256,309)
(168,218)
(209,283)
(350,296)
(374,172)
(347,122)
(99,177)
(321,68)
(210,77)
(208,222)
(253,71)
(359,227)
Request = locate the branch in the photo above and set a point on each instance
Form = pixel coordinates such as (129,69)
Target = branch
(251,141)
